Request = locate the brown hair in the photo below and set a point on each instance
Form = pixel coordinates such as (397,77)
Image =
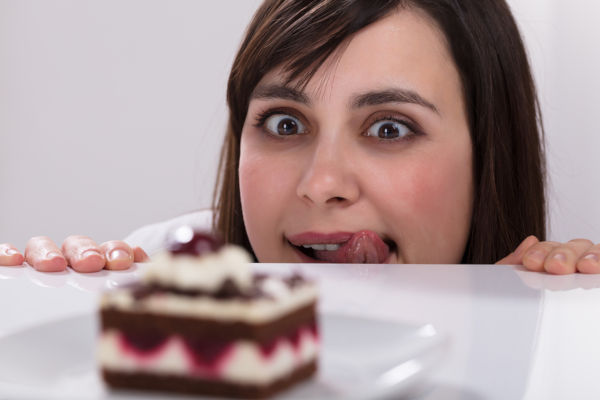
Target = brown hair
(498,90)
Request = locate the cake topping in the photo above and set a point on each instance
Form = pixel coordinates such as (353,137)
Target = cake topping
(295,280)
(262,286)
(197,260)
(185,240)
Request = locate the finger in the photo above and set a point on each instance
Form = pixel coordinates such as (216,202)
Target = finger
(589,262)
(83,254)
(9,255)
(535,257)
(118,254)
(139,255)
(45,256)
(563,258)
(516,257)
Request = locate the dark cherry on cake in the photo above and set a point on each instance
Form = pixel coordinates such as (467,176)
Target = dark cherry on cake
(186,240)
(232,333)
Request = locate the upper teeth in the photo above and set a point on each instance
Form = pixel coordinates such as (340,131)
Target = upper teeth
(330,247)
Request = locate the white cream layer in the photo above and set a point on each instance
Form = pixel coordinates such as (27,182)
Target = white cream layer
(207,272)
(260,310)
(244,363)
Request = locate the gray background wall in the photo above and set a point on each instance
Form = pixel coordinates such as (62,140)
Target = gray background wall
(112,112)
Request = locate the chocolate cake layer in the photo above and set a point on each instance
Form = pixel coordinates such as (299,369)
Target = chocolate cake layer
(150,324)
(181,384)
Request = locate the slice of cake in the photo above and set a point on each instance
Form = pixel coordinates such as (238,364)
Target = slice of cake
(201,322)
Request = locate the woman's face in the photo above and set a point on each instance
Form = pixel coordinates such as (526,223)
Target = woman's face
(371,162)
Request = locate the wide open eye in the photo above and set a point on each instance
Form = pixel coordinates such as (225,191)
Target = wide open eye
(389,129)
(284,125)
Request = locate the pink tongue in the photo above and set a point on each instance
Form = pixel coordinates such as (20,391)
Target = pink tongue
(364,247)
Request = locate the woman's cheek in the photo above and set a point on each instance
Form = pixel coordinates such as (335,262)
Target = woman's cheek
(263,197)
(263,180)
(255,190)
(443,202)
(431,210)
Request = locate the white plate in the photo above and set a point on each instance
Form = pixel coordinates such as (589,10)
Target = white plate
(360,359)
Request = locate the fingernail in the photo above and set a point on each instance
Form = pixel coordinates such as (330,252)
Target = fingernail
(90,252)
(11,252)
(118,255)
(592,257)
(53,254)
(560,257)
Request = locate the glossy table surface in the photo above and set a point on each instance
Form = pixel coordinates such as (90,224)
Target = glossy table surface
(510,334)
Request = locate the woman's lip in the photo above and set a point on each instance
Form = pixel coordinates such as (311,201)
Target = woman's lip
(319,238)
(307,259)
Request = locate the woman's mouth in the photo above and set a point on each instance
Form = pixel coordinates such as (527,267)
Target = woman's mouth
(365,247)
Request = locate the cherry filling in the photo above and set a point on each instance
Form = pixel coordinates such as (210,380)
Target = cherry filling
(144,345)
(314,329)
(207,355)
(293,338)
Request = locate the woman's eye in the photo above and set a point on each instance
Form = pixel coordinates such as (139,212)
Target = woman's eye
(284,125)
(388,129)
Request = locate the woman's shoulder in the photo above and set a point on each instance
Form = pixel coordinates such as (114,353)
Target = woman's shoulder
(152,237)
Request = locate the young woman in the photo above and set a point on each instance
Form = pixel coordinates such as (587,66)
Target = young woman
(375,131)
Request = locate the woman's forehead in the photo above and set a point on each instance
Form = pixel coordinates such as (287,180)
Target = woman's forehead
(402,51)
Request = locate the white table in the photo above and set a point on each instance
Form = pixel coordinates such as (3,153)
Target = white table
(511,334)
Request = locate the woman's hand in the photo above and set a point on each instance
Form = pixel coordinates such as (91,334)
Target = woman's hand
(80,252)
(578,255)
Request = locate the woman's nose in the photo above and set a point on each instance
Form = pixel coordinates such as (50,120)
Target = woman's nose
(329,179)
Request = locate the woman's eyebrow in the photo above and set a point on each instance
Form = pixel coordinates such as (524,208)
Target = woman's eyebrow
(392,95)
(372,98)
(275,91)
